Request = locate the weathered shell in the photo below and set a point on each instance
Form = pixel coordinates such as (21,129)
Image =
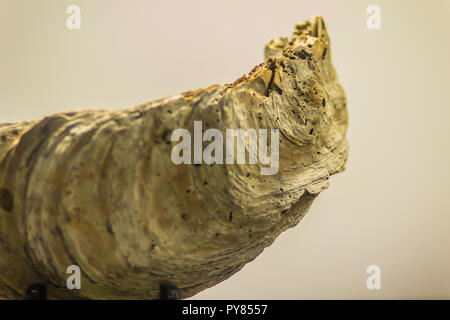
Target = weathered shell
(98,189)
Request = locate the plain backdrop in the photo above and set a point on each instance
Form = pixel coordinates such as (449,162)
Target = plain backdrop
(390,208)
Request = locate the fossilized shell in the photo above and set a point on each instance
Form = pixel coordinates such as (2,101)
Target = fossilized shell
(98,189)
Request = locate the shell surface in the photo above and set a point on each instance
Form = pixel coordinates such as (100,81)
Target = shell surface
(99,189)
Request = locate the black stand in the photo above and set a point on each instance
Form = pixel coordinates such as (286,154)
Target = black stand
(36,291)
(167,291)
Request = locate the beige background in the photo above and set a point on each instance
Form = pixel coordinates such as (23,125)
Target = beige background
(392,205)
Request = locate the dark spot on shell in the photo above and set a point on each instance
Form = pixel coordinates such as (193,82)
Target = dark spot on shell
(6,200)
(109,229)
(324,53)
(278,90)
(165,134)
(301,55)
